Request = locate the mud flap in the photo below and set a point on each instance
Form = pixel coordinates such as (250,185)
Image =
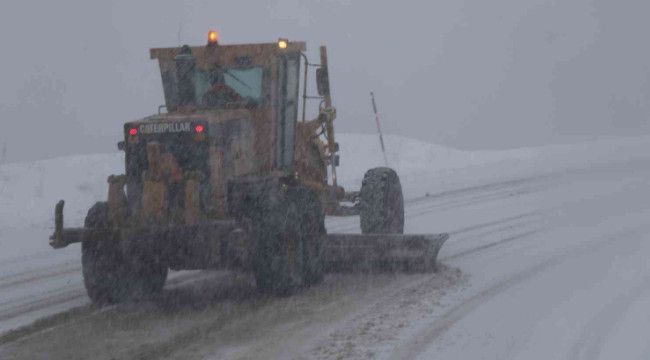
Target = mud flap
(382,252)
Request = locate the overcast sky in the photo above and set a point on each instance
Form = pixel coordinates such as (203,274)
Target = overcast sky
(469,74)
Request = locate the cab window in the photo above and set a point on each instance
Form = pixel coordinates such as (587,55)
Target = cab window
(229,87)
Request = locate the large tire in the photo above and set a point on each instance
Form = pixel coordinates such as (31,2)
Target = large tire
(110,275)
(288,224)
(381,203)
(102,261)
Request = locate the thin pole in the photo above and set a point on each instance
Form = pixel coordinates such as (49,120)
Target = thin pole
(381,137)
(304,87)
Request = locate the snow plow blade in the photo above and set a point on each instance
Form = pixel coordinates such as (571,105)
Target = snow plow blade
(382,252)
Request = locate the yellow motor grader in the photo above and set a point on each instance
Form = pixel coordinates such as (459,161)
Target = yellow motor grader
(234,176)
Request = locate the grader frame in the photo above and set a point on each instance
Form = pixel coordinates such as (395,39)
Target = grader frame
(229,178)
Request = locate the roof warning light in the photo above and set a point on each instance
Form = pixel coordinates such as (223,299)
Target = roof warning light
(213,37)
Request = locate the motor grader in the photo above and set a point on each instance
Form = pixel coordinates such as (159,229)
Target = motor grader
(233,175)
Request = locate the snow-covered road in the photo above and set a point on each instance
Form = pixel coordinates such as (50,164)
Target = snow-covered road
(547,259)
(577,290)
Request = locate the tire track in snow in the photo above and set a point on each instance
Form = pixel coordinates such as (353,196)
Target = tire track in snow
(597,330)
(27,277)
(494,222)
(70,294)
(491,244)
(424,339)
(497,185)
(27,307)
(427,210)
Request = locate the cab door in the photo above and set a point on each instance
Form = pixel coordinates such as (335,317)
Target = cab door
(288,76)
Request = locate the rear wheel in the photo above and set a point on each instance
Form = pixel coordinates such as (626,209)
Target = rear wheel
(289,226)
(102,261)
(381,202)
(110,275)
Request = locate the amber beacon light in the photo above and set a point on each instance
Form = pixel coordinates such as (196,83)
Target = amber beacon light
(213,37)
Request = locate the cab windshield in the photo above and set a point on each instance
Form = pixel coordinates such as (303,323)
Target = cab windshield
(228,87)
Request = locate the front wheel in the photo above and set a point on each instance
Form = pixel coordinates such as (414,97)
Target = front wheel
(381,203)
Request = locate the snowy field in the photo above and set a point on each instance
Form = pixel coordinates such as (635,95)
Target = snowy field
(547,259)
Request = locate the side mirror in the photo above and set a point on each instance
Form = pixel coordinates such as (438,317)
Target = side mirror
(121,145)
(323,81)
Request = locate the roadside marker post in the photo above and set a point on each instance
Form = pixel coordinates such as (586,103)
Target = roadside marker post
(381,137)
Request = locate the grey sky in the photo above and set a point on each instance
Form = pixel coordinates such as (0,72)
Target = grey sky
(470,74)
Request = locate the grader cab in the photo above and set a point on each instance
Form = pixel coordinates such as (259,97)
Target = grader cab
(235,176)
